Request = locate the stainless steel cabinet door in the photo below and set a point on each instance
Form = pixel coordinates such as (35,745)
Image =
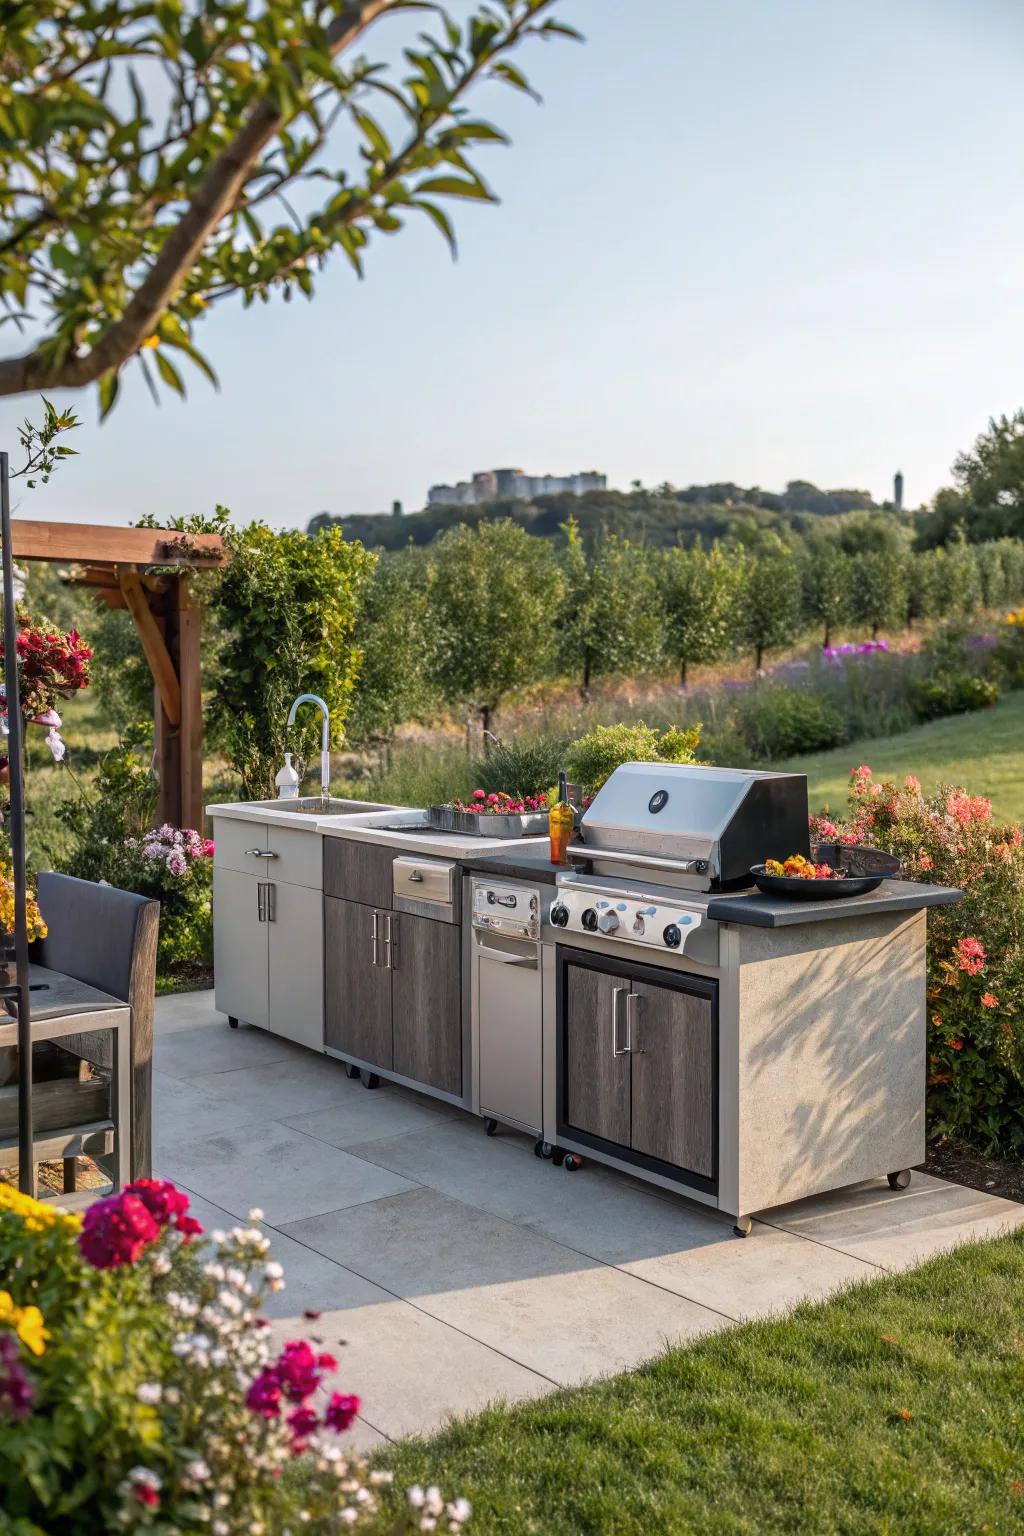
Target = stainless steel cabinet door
(357,1019)
(672,1050)
(507,989)
(240,947)
(596,1065)
(295,924)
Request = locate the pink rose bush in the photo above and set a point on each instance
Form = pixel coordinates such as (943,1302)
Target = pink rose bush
(174,865)
(141,1381)
(975,949)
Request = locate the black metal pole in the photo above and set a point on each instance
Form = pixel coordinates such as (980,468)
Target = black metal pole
(16,775)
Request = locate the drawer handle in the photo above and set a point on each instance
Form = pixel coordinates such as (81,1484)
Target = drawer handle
(528,962)
(415,878)
(260,853)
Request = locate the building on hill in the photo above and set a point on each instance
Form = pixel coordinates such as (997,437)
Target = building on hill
(515,484)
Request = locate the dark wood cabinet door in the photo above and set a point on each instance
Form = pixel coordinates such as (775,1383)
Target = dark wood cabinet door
(673,1054)
(426,995)
(357,993)
(596,1080)
(360,872)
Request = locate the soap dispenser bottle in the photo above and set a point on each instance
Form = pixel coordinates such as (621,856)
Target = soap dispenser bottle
(287,780)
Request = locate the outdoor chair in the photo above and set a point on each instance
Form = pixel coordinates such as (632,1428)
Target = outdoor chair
(92,1005)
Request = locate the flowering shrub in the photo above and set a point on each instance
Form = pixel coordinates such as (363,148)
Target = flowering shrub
(52,666)
(975,949)
(139,1389)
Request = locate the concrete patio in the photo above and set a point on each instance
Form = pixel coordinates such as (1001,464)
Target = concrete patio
(449,1269)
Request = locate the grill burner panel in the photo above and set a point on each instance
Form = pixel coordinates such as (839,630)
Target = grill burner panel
(693,827)
(658,918)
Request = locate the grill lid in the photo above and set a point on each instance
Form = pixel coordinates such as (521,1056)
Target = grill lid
(725,818)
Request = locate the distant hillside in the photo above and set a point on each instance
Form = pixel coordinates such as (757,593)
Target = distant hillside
(658,517)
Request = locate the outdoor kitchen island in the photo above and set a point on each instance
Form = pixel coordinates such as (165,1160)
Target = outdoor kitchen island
(646,1009)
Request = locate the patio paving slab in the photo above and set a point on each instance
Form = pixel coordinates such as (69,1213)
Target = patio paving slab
(898,1228)
(199,1050)
(286,1174)
(460,1269)
(552,1309)
(670,1242)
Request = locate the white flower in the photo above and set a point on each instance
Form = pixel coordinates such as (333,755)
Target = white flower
(255,1214)
(149,1392)
(218,1235)
(221,1528)
(415,1496)
(273,1270)
(433,1501)
(428,1523)
(198,1470)
(460,1510)
(161,1264)
(145,1476)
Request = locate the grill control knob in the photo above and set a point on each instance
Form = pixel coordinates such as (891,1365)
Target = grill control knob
(559,915)
(672,936)
(608,922)
(589,920)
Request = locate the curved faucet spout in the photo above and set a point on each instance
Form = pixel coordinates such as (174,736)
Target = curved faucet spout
(325,737)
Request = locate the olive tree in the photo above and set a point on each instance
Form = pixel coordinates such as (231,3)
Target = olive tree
(395,636)
(158,159)
(771,599)
(609,620)
(701,597)
(494,593)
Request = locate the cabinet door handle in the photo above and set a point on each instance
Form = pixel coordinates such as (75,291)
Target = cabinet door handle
(270,908)
(260,853)
(390,940)
(373,937)
(632,1015)
(260,909)
(617,992)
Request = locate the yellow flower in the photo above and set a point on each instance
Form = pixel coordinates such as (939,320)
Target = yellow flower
(27,1323)
(35,1213)
(151,342)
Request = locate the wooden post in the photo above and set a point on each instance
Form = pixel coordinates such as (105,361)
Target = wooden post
(179,743)
(187,619)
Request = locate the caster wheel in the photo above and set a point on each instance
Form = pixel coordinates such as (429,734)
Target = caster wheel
(557,1156)
(490,1127)
(543,1149)
(232,1023)
(572,1163)
(742,1226)
(369,1079)
(899,1180)
(350,1070)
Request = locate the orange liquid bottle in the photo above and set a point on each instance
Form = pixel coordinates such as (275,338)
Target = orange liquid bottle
(560,824)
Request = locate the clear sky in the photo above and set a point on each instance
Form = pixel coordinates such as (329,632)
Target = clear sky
(752,240)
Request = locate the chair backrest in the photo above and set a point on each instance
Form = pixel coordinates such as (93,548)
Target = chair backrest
(93,931)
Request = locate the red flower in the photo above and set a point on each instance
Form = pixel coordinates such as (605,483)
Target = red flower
(264,1394)
(295,1374)
(955,1044)
(341,1411)
(989,1000)
(970,956)
(116,1231)
(162,1199)
(302,1422)
(189,1227)
(146,1495)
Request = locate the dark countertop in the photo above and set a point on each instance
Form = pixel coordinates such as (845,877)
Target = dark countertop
(757,910)
(532,863)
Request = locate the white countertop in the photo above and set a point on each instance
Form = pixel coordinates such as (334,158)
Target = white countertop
(364,826)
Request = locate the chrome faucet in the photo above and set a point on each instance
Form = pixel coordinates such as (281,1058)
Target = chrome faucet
(325,739)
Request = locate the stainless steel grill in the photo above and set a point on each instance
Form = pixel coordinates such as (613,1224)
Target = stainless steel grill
(692,827)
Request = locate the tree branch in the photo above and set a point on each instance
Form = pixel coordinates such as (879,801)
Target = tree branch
(214,198)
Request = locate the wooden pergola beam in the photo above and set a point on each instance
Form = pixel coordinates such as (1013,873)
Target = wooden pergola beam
(165,674)
(93,543)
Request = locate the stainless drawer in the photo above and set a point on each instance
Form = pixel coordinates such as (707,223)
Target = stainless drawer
(422,880)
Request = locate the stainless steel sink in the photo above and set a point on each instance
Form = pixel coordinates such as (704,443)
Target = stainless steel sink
(316,805)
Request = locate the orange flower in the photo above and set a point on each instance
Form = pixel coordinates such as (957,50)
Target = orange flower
(905,1413)
(955,1044)
(989,1001)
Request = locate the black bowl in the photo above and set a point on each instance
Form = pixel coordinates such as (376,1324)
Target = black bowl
(857,859)
(814,890)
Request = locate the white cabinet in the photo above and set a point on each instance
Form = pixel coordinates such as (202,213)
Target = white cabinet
(296,937)
(268,928)
(241,949)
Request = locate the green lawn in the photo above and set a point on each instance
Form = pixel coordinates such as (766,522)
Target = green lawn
(983,751)
(895,1407)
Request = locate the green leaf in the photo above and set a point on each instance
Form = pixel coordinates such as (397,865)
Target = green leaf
(109,385)
(441,220)
(167,371)
(455,186)
(514,77)
(374,134)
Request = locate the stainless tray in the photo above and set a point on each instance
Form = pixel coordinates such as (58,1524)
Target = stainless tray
(472,824)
